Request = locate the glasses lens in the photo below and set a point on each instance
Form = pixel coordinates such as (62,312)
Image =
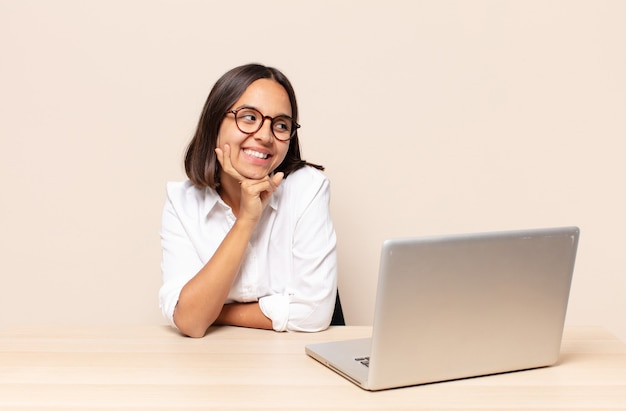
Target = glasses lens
(249,120)
(283,127)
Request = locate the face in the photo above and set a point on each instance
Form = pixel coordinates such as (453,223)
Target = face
(256,155)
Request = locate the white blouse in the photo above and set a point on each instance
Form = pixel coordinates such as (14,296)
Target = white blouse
(290,265)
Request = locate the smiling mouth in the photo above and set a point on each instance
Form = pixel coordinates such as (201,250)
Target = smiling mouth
(256,154)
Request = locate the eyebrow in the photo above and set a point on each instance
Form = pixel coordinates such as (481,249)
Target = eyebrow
(257,109)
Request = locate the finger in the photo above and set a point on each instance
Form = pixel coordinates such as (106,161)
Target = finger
(256,187)
(267,184)
(223,156)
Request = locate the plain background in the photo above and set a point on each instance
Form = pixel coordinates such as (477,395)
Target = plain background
(431,117)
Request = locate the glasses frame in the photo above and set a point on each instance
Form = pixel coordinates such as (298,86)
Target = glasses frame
(294,130)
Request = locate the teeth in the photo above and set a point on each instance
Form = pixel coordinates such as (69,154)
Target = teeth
(255,154)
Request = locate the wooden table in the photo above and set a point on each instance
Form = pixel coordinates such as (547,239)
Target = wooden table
(155,368)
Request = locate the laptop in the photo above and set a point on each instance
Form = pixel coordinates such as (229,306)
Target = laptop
(459,306)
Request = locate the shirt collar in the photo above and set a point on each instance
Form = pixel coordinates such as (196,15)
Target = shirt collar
(275,197)
(211,198)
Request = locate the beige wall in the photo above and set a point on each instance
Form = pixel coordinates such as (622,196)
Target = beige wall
(431,117)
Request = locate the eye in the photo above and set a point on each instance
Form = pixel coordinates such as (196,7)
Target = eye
(282,125)
(249,116)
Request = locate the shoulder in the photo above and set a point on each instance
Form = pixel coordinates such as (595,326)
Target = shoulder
(182,189)
(307,176)
(183,195)
(305,184)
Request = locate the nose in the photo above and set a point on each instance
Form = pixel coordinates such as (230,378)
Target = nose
(265,132)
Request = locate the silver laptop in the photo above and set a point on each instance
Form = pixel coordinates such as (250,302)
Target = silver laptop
(451,307)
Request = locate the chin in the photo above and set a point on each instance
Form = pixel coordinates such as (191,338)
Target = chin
(257,172)
(256,175)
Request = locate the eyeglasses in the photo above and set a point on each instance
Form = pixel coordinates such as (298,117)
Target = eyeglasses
(250,120)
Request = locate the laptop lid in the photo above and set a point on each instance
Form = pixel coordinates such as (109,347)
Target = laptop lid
(459,306)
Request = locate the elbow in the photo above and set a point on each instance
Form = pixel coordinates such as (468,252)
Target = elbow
(190,327)
(192,330)
(307,328)
(194,333)
(310,324)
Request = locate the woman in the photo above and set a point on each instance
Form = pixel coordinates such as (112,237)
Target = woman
(248,239)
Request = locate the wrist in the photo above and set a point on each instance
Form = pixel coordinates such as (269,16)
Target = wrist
(245,224)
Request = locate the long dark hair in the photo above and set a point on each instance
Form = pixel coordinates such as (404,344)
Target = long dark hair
(201,164)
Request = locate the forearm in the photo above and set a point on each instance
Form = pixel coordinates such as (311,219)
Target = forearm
(201,300)
(244,315)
